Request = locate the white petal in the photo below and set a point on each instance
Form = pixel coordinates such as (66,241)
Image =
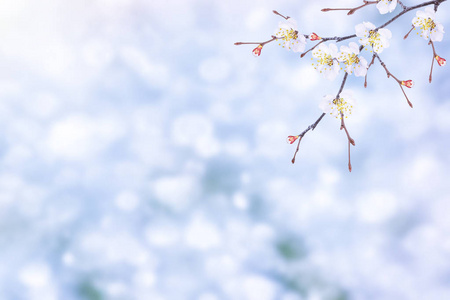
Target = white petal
(363,62)
(430,12)
(321,68)
(333,50)
(422,14)
(331,74)
(369,25)
(284,25)
(347,94)
(385,42)
(298,46)
(355,48)
(364,41)
(349,69)
(360,70)
(384,32)
(323,49)
(377,48)
(436,36)
(425,34)
(345,49)
(328,97)
(416,21)
(292,23)
(440,27)
(325,105)
(392,6)
(335,112)
(383,7)
(360,30)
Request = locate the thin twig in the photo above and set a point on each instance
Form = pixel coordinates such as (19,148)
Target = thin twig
(371,63)
(389,74)
(301,135)
(259,43)
(351,10)
(342,85)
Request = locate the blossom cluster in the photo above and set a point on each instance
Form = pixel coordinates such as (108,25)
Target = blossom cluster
(329,60)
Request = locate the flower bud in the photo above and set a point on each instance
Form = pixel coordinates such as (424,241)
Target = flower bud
(408,83)
(257,51)
(441,61)
(314,37)
(291,139)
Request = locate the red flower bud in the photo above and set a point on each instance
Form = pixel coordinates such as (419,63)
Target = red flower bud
(441,61)
(257,51)
(314,37)
(291,139)
(408,83)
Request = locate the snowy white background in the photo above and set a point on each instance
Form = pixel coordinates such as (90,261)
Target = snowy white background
(143,156)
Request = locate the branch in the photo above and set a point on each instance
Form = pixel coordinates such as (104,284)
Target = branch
(351,10)
(301,135)
(401,83)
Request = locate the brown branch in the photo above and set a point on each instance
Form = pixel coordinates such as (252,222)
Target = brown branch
(406,35)
(277,13)
(258,43)
(351,10)
(405,10)
(301,135)
(342,85)
(401,83)
(350,140)
(371,63)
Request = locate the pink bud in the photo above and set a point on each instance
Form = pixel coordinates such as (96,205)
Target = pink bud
(314,37)
(257,51)
(441,61)
(291,139)
(408,83)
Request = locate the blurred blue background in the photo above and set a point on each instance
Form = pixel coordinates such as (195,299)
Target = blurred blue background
(143,156)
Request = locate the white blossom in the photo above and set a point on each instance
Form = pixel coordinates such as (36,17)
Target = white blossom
(425,21)
(291,38)
(327,62)
(354,63)
(378,39)
(335,106)
(385,6)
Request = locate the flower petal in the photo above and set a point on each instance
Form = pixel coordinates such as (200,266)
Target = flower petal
(369,25)
(382,7)
(436,36)
(360,30)
(384,32)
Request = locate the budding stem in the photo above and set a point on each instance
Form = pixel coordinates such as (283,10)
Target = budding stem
(371,63)
(389,74)
(349,161)
(406,36)
(409,102)
(301,135)
(296,150)
(258,43)
(350,141)
(432,61)
(351,10)
(277,13)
